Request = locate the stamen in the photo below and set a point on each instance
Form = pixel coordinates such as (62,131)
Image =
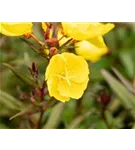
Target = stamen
(60,76)
(71,77)
(65,77)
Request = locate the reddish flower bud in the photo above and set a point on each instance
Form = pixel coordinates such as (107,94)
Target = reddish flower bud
(53,51)
(104,98)
(33,67)
(52,42)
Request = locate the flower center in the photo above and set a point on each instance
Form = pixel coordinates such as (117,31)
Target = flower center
(65,76)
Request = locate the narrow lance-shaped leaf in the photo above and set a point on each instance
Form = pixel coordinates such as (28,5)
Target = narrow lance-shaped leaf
(27,59)
(77,121)
(26,79)
(35,49)
(128,62)
(9,102)
(28,110)
(30,45)
(124,81)
(127,99)
(55,117)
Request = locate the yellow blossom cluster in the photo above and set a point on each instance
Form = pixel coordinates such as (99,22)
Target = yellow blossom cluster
(67,74)
(90,43)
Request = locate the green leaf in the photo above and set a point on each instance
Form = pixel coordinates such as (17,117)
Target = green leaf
(27,59)
(69,112)
(9,101)
(114,105)
(127,99)
(109,117)
(77,121)
(133,126)
(26,79)
(100,124)
(28,110)
(3,126)
(127,60)
(55,117)
(124,81)
(34,48)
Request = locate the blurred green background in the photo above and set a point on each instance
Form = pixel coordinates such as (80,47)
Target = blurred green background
(109,101)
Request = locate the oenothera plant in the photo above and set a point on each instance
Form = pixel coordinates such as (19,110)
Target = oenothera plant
(68,48)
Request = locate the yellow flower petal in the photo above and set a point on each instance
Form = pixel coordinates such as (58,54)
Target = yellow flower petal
(75,90)
(0,27)
(44,26)
(99,43)
(99,29)
(15,29)
(63,40)
(76,67)
(87,30)
(91,50)
(52,86)
(56,66)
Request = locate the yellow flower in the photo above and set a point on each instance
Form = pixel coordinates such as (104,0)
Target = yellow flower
(87,30)
(15,29)
(67,76)
(91,50)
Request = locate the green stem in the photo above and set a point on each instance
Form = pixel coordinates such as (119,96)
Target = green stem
(104,118)
(40,119)
(42,111)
